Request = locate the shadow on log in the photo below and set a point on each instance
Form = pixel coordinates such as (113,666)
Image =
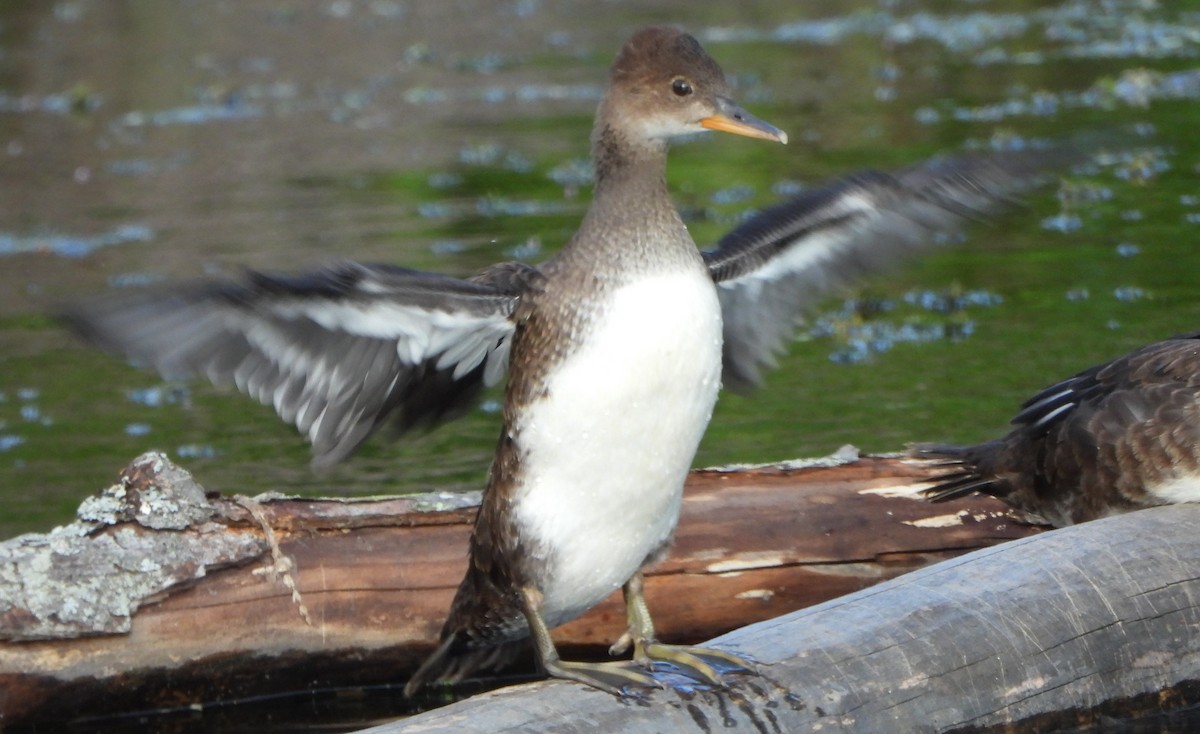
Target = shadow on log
(163,596)
(1041,634)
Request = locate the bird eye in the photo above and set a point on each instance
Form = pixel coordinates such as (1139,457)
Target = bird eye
(681,87)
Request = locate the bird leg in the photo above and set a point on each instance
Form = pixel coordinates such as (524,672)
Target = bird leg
(612,677)
(695,662)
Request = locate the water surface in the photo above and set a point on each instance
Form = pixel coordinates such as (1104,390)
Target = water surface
(151,142)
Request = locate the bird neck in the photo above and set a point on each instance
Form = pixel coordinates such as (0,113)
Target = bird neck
(621,158)
(632,217)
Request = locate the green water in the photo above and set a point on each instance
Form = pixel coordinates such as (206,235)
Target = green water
(354,159)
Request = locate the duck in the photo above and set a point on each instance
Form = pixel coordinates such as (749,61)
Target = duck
(612,354)
(1113,438)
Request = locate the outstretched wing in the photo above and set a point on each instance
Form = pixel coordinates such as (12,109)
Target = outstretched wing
(337,352)
(773,266)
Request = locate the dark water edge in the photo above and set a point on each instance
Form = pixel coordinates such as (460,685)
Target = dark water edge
(350,709)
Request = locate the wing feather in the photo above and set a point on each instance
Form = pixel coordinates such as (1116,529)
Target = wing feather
(779,262)
(337,352)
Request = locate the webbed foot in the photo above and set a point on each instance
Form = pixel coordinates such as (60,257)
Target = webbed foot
(704,664)
(700,663)
(617,678)
(620,678)
(624,679)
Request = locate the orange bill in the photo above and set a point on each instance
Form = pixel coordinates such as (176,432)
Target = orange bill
(731,118)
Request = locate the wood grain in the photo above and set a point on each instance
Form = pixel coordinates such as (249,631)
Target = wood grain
(376,578)
(1061,631)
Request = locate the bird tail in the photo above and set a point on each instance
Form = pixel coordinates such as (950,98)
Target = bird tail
(454,659)
(963,474)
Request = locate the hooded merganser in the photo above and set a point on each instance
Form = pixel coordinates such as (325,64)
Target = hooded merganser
(1117,437)
(615,350)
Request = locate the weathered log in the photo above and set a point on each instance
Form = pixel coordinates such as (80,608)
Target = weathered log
(163,596)
(1041,634)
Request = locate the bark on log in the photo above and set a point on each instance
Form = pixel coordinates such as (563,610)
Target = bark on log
(1042,634)
(163,596)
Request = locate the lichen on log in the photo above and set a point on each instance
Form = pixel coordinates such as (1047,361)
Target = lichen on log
(91,576)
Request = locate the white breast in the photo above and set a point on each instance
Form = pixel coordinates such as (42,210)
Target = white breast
(1184,487)
(607,450)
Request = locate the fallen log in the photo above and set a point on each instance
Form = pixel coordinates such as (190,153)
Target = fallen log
(1048,633)
(164,596)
